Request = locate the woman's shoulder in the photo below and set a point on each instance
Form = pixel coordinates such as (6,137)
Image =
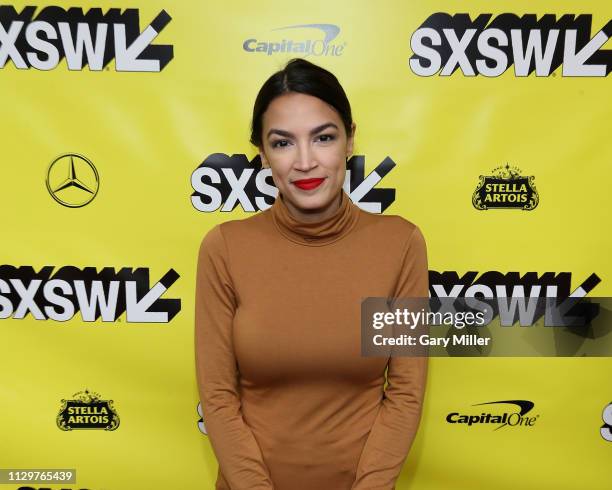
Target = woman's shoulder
(397,234)
(389,224)
(234,230)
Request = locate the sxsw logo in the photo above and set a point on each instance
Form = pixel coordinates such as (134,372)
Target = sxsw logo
(91,39)
(222,182)
(107,294)
(606,428)
(497,284)
(490,45)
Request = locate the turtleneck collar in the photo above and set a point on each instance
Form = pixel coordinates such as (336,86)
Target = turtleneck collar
(317,233)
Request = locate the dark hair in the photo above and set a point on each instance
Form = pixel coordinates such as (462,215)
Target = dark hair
(304,77)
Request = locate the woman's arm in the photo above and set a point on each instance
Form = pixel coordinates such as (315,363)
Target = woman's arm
(237,451)
(398,418)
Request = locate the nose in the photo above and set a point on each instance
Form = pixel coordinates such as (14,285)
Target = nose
(304,159)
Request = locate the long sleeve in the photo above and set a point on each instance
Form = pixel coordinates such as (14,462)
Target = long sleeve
(398,418)
(239,456)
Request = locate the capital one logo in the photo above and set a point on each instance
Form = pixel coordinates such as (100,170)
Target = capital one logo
(500,419)
(305,48)
(490,45)
(93,39)
(222,182)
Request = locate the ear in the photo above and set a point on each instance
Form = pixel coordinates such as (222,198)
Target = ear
(350,140)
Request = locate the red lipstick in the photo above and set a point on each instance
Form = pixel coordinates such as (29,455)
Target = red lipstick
(308,184)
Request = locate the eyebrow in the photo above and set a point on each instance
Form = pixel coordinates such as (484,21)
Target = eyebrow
(312,131)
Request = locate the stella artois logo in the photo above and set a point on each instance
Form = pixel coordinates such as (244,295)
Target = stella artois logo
(86,410)
(506,188)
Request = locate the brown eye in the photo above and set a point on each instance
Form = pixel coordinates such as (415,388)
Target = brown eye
(327,137)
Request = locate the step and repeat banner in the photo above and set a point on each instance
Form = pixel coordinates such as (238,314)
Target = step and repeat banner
(125,131)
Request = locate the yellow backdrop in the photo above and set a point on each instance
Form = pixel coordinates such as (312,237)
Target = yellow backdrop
(110,181)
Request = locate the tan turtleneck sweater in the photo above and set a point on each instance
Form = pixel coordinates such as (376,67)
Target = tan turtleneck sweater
(289,403)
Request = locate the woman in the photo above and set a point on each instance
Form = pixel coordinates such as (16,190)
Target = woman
(289,403)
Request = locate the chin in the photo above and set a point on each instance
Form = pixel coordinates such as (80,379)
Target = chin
(313,201)
(310,202)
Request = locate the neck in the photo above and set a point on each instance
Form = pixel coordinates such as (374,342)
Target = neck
(317,228)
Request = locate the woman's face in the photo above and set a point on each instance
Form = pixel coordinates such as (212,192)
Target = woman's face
(304,138)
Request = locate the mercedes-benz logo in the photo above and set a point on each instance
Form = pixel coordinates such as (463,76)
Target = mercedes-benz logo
(72,180)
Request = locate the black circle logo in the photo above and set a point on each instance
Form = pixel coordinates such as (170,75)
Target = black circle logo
(72,180)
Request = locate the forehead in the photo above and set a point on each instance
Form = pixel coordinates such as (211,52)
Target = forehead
(298,110)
